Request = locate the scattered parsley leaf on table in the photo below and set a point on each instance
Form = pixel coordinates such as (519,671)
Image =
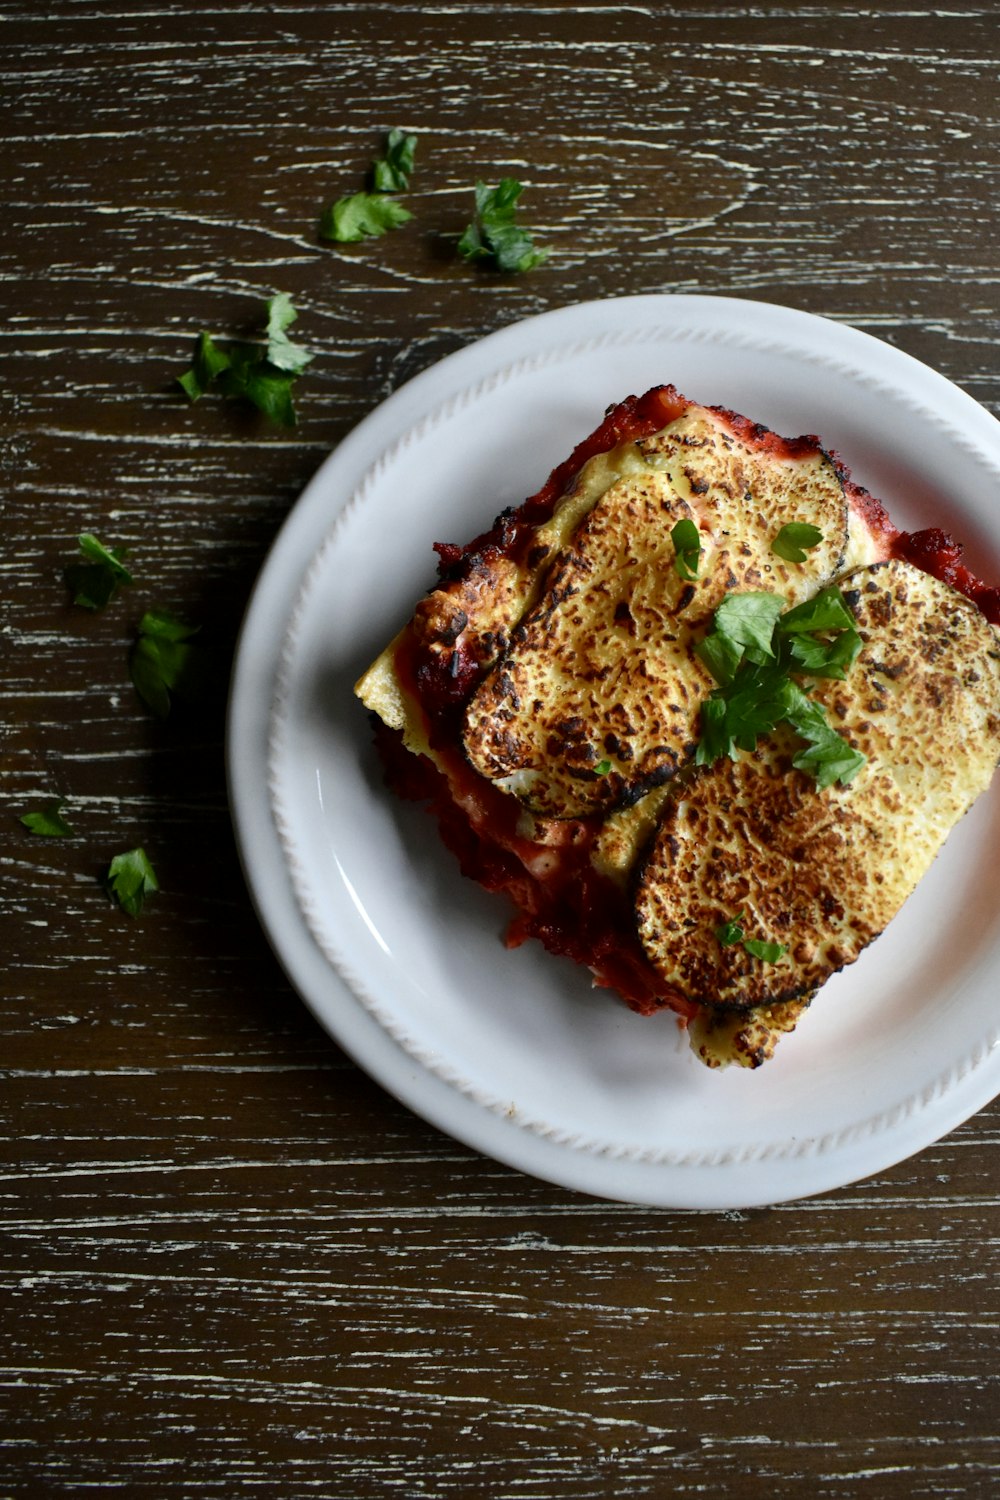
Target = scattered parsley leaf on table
(391,172)
(362,216)
(281,352)
(130,879)
(95,581)
(252,378)
(262,374)
(48,821)
(494,236)
(209,362)
(162,662)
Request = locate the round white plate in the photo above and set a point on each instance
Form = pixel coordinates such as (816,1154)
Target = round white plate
(402,959)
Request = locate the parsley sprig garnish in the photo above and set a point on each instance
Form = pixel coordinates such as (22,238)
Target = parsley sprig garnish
(493,235)
(391,171)
(95,581)
(261,373)
(369,215)
(731,932)
(753,651)
(687,549)
(48,821)
(164,663)
(362,216)
(129,879)
(794,539)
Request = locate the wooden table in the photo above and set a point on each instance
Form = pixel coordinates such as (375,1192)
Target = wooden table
(232,1264)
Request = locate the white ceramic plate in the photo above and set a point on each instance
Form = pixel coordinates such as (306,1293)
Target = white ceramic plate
(401,958)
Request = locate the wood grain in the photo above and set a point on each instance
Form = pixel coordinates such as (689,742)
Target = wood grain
(232,1265)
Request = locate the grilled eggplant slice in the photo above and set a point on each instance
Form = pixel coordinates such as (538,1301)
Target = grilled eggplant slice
(822,872)
(597,699)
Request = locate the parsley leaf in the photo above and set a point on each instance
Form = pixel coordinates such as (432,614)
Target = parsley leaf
(730,932)
(391,172)
(721,655)
(827,610)
(493,235)
(602,768)
(362,216)
(687,548)
(259,373)
(281,352)
(208,363)
(827,756)
(749,619)
(756,702)
(130,879)
(48,821)
(794,539)
(752,661)
(824,658)
(768,953)
(716,738)
(805,626)
(251,377)
(96,580)
(163,663)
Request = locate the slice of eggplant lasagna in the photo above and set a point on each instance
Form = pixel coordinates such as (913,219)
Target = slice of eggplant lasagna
(700,711)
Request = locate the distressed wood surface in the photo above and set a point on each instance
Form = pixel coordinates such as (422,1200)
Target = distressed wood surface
(230,1263)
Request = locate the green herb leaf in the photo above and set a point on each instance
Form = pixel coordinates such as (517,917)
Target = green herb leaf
(208,363)
(281,352)
(253,379)
(731,932)
(259,373)
(602,768)
(96,580)
(827,756)
(687,549)
(749,619)
(391,172)
(362,216)
(768,953)
(163,663)
(721,655)
(830,759)
(822,658)
(493,235)
(715,740)
(48,821)
(794,539)
(756,691)
(756,702)
(827,610)
(130,879)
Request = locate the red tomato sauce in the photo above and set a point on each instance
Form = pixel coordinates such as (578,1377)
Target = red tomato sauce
(568,906)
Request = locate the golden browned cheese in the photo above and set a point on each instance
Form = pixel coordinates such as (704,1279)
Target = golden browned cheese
(597,698)
(824,871)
